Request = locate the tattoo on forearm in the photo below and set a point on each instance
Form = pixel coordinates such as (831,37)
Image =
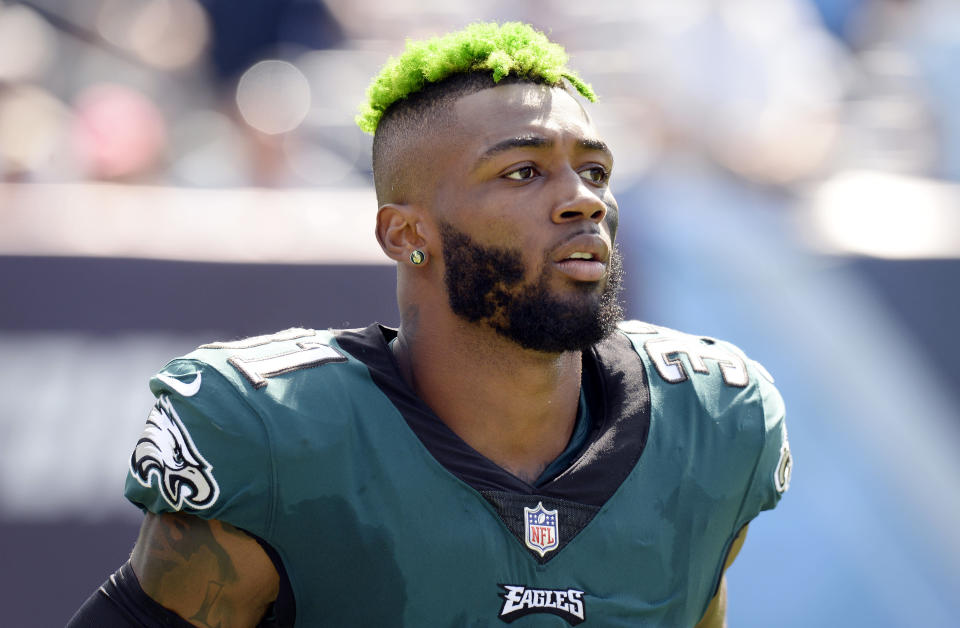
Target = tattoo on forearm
(186,541)
(179,548)
(209,600)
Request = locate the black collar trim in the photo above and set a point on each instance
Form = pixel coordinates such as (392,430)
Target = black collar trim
(620,416)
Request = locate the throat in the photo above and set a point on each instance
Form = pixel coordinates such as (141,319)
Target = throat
(531,474)
(513,431)
(517,433)
(536,475)
(518,413)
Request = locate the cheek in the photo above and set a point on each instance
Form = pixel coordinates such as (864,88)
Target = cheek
(493,223)
(504,231)
(508,220)
(612,219)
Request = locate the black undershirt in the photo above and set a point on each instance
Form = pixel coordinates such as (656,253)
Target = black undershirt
(615,384)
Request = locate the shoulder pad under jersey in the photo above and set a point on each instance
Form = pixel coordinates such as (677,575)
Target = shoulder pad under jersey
(734,392)
(207,445)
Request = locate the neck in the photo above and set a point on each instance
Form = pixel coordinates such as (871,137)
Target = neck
(515,406)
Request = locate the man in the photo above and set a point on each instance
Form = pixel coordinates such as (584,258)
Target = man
(509,454)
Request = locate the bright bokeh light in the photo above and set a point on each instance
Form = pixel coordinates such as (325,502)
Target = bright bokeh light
(167,34)
(887,215)
(32,122)
(27,44)
(273,96)
(115,19)
(118,131)
(341,76)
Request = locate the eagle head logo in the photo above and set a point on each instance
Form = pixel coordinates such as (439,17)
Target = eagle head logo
(165,450)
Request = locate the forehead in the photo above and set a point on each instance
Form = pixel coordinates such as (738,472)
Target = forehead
(492,115)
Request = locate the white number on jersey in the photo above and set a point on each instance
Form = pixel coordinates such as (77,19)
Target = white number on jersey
(306,354)
(665,353)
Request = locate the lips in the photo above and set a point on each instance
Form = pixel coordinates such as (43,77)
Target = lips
(583,257)
(584,246)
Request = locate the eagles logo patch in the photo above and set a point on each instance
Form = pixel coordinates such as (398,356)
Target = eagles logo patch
(520,601)
(165,450)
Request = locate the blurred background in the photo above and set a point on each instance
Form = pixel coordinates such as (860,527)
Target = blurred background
(788,171)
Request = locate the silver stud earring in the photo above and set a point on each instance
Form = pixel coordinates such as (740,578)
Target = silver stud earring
(417,257)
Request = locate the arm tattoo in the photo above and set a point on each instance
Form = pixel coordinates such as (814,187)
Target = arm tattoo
(209,600)
(178,550)
(187,541)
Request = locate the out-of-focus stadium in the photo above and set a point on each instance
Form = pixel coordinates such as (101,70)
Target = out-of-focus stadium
(179,171)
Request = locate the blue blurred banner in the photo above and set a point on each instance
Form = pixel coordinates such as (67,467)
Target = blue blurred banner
(866,535)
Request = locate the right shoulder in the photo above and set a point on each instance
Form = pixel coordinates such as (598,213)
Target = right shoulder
(212,439)
(248,364)
(261,372)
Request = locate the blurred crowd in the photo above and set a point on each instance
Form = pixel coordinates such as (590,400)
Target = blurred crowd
(220,93)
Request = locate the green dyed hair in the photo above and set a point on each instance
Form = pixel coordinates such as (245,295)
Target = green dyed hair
(502,50)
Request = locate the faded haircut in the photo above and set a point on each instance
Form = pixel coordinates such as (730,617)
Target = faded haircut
(412,94)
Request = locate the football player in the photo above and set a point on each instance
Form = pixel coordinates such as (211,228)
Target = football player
(514,452)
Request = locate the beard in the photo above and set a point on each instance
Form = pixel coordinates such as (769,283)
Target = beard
(485,285)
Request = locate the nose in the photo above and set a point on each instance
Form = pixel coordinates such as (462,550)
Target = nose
(579,201)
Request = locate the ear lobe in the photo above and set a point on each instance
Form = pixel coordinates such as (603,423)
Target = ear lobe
(398,230)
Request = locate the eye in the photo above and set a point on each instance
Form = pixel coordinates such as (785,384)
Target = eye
(595,174)
(522,174)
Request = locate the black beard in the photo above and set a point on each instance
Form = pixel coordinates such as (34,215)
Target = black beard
(485,284)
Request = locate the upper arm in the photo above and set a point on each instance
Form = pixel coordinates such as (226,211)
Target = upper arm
(208,572)
(716,613)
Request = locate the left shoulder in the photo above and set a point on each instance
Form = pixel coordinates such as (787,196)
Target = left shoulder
(677,356)
(716,380)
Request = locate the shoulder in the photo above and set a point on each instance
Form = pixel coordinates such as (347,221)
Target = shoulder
(675,355)
(252,361)
(727,397)
(236,384)
(702,365)
(213,433)
(268,370)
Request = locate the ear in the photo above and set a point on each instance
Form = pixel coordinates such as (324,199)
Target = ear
(400,231)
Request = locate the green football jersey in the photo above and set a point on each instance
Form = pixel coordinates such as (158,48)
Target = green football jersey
(382,516)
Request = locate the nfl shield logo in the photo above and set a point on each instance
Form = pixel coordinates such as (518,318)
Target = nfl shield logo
(541,530)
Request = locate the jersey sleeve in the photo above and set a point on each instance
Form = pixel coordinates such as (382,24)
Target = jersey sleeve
(771,475)
(204,451)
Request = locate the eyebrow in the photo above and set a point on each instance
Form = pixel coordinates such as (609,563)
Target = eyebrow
(594,144)
(537,141)
(521,141)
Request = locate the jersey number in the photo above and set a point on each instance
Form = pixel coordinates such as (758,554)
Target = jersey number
(665,354)
(307,353)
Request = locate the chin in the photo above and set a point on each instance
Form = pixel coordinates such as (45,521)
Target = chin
(573,292)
